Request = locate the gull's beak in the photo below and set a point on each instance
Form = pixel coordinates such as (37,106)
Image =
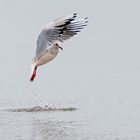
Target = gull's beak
(61,48)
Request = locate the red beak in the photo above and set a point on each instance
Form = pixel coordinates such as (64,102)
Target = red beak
(33,75)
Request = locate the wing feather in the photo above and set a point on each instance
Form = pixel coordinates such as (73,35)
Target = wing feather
(59,30)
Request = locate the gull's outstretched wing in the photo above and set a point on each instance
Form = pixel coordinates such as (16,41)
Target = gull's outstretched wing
(59,30)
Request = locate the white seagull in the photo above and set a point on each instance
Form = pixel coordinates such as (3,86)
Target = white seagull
(50,39)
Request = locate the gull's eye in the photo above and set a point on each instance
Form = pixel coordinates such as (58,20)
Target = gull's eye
(56,44)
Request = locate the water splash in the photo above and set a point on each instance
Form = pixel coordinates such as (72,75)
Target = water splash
(41,109)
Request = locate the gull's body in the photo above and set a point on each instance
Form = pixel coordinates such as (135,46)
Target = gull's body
(48,55)
(50,39)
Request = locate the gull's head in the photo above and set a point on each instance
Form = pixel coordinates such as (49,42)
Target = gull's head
(58,44)
(33,71)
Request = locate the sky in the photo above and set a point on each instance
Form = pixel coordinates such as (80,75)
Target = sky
(103,58)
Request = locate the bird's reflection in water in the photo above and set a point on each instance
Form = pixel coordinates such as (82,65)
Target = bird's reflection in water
(50,130)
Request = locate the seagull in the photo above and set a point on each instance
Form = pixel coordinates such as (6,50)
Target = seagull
(52,36)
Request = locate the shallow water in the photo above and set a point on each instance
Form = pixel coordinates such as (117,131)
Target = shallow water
(104,117)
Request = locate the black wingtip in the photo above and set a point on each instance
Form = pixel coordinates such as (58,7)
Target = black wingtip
(74,15)
(86,19)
